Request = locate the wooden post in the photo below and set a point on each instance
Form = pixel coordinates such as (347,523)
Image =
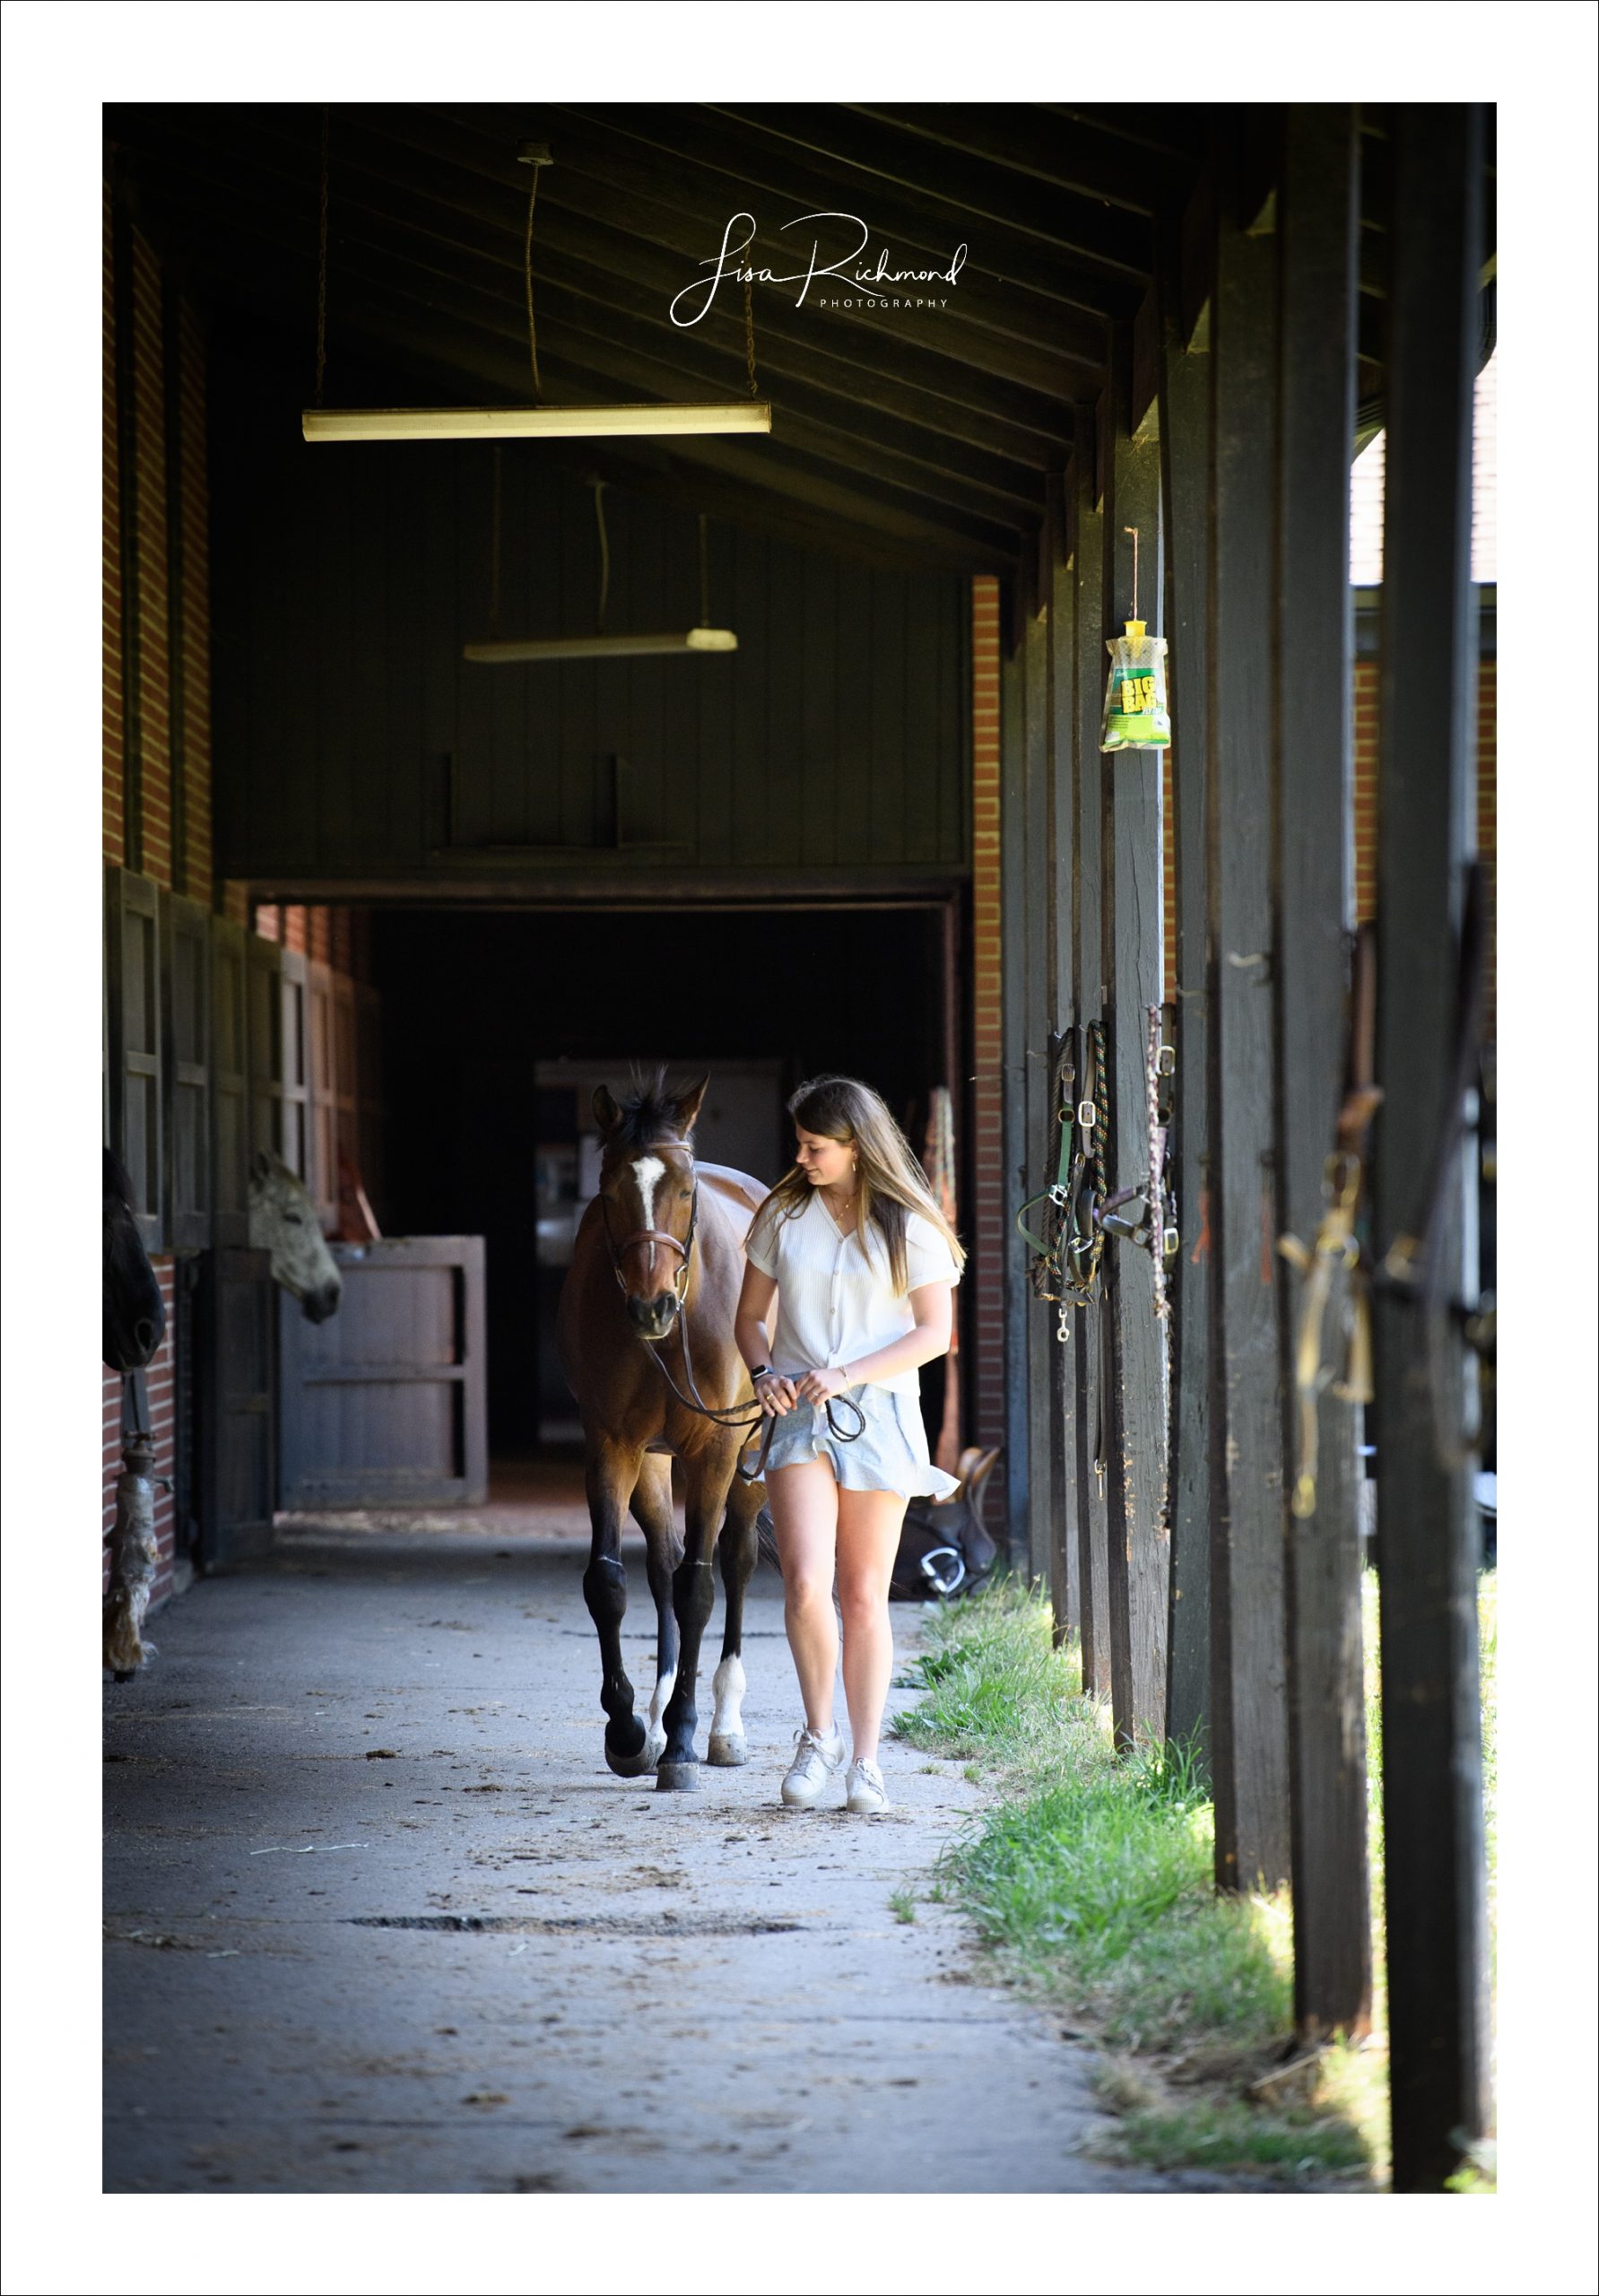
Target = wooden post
(1066,1573)
(1428,1548)
(1012,757)
(1248,1657)
(1088,1000)
(1318,227)
(1185,383)
(1140,1547)
(1035,1006)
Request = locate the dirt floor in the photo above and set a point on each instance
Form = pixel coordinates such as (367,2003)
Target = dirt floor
(379,1919)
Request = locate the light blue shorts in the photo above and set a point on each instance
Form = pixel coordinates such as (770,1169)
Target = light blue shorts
(889,1453)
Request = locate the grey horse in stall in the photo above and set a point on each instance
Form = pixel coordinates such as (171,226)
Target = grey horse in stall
(283,1222)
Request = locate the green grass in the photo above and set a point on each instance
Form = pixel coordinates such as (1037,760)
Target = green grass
(1089,1882)
(902,1904)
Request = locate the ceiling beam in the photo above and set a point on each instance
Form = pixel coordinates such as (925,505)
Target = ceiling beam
(1010,289)
(1097,238)
(486,292)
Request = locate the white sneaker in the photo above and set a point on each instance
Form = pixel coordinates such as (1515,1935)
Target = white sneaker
(864,1792)
(814,1763)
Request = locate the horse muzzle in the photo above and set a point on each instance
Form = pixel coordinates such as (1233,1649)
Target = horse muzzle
(653,1319)
(323,1301)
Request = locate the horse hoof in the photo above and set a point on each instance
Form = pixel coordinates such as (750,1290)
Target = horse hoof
(637,1757)
(676,1776)
(728,1752)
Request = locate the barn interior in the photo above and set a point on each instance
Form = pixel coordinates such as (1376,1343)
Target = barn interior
(449,775)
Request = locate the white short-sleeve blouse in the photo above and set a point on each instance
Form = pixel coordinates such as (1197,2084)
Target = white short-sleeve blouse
(836,1301)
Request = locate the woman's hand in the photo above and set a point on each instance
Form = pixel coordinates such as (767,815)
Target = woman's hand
(775,1395)
(820,1384)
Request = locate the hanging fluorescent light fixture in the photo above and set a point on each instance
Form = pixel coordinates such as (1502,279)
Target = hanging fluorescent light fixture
(716,418)
(698,641)
(701,640)
(389,422)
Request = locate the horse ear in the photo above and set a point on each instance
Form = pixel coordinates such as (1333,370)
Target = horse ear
(688,1103)
(606,1114)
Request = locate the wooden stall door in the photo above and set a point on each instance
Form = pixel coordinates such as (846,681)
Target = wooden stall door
(186,1070)
(323,1080)
(229,1086)
(387,1403)
(234,1395)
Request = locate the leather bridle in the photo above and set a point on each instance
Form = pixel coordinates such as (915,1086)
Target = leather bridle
(652,1236)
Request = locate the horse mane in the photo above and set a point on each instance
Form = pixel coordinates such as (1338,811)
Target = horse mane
(116,1181)
(648,1112)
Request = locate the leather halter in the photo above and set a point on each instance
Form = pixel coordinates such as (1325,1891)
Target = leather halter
(680,1281)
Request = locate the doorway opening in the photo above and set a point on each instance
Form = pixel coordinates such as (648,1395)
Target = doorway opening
(498,1024)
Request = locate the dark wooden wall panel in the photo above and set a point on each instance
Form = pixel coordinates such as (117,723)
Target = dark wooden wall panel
(346,582)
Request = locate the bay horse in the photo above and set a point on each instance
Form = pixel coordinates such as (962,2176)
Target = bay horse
(657,1266)
(133,1317)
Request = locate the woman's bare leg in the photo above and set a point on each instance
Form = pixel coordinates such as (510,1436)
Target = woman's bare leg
(805,1504)
(868,1540)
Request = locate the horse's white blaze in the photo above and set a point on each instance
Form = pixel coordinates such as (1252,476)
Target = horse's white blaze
(649,1173)
(728,1685)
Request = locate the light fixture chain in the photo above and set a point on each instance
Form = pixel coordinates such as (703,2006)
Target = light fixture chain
(750,316)
(494,548)
(322,263)
(533,340)
(598,486)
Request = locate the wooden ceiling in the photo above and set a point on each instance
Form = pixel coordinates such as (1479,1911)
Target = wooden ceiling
(901,437)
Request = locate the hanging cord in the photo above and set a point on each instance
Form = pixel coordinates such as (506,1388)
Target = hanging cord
(322,263)
(533,339)
(750,313)
(494,547)
(534,156)
(598,486)
(1134,532)
(704,579)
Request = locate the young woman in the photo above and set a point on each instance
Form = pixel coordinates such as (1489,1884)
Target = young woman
(862,1266)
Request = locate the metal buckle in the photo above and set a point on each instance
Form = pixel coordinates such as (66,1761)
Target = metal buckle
(1088,1114)
(1166,1061)
(943,1582)
(1169,1242)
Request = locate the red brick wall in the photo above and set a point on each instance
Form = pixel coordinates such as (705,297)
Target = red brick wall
(153,844)
(160,1389)
(111,695)
(197,616)
(150,494)
(987,1314)
(1487,689)
(1366,781)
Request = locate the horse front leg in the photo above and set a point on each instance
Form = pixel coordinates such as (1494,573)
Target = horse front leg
(728,1748)
(609,1478)
(651,1506)
(693,1594)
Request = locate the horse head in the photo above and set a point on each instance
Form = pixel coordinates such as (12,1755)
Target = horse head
(283,1222)
(133,1317)
(646,1198)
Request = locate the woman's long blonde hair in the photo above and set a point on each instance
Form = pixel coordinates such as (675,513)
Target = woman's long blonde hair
(890,1183)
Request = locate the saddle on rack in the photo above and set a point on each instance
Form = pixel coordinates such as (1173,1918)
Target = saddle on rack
(944,1550)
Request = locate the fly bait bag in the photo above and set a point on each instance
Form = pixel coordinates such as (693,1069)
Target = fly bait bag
(1135,714)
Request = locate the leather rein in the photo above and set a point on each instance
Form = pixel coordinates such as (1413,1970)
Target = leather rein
(735,1416)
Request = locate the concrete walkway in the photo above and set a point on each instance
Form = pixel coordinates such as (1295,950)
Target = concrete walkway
(379,1919)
